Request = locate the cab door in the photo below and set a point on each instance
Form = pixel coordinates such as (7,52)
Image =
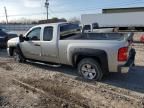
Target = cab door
(50,45)
(31,47)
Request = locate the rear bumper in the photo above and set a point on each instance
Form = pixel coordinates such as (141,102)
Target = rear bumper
(125,68)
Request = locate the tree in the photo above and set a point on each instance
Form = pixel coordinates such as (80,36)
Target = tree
(23,21)
(74,20)
(53,20)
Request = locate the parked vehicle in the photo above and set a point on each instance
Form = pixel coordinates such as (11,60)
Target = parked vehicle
(123,21)
(94,54)
(4,37)
(94,27)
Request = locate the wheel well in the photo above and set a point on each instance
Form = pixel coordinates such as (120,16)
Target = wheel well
(80,57)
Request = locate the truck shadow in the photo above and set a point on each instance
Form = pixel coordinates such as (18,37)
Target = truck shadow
(68,70)
(134,80)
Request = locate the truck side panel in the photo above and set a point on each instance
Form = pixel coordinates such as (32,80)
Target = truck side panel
(131,19)
(67,47)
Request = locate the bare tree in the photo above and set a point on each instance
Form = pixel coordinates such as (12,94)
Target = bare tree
(23,21)
(74,20)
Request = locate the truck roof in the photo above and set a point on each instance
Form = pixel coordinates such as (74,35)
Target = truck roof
(51,24)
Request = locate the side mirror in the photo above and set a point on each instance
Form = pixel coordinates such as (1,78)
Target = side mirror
(21,38)
(26,38)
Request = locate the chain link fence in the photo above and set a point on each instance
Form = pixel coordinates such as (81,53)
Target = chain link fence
(16,27)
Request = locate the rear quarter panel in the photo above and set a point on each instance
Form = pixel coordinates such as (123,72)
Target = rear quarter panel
(66,47)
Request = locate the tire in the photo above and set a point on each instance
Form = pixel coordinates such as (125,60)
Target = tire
(11,51)
(90,69)
(17,57)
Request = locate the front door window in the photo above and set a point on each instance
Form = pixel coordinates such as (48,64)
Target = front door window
(34,34)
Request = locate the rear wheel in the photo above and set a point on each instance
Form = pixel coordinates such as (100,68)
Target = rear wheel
(90,69)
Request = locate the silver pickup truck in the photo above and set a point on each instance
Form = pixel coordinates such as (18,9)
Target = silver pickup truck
(94,54)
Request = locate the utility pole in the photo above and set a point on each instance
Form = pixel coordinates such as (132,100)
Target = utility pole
(6,15)
(47,6)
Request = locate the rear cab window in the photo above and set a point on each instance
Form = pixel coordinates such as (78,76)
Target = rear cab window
(87,27)
(68,30)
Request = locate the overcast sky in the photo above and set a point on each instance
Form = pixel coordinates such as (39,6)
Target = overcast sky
(34,9)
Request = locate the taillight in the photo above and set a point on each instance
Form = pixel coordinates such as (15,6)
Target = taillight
(142,38)
(123,54)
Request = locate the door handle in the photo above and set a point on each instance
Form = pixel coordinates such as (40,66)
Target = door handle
(36,45)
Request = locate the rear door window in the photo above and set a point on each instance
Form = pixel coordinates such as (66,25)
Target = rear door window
(48,34)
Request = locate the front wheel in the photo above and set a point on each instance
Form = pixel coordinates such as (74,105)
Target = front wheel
(17,57)
(90,69)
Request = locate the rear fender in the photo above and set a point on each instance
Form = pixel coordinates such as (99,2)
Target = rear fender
(99,55)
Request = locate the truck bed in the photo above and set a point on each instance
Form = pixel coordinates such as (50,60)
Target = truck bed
(98,36)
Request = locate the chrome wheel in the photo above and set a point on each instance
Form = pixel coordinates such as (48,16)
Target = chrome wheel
(88,71)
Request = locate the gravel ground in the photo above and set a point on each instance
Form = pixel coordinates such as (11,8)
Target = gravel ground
(137,36)
(32,85)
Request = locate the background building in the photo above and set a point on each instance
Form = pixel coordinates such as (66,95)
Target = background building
(123,10)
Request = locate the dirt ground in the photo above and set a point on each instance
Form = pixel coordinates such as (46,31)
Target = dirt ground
(33,85)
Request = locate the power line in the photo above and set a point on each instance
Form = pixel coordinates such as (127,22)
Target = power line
(130,2)
(52,12)
(32,14)
(95,8)
(116,3)
(67,11)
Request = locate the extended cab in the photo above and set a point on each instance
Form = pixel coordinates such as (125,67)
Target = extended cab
(94,54)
